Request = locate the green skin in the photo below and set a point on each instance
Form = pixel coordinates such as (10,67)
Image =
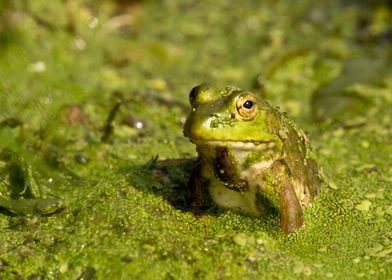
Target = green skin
(248,150)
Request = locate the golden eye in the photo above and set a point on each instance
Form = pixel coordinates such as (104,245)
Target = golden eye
(247,106)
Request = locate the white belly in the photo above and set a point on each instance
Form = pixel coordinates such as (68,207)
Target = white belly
(240,201)
(245,202)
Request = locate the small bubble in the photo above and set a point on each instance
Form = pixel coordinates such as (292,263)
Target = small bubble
(329,274)
(182,120)
(139,124)
(307,271)
(47,100)
(356,260)
(63,268)
(93,22)
(364,205)
(80,43)
(37,67)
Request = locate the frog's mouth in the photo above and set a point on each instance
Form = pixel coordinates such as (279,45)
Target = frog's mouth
(240,145)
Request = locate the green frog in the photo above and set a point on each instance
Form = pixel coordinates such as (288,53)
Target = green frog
(251,156)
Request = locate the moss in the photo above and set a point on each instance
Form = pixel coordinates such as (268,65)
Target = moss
(253,158)
(127,215)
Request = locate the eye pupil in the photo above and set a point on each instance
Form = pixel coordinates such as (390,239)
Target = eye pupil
(248,104)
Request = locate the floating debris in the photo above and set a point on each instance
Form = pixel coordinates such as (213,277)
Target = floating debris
(37,67)
(364,205)
(243,239)
(25,195)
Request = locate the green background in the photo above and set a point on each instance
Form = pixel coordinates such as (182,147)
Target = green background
(65,64)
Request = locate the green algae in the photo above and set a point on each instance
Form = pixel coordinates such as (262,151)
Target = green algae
(127,214)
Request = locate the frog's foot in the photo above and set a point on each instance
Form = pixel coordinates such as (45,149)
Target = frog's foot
(291,218)
(197,206)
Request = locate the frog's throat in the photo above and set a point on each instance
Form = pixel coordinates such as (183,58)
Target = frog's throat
(227,171)
(239,145)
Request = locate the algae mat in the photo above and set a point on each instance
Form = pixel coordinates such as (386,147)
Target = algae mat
(92,102)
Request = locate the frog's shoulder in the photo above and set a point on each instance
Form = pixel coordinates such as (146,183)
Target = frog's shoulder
(300,159)
(275,120)
(298,154)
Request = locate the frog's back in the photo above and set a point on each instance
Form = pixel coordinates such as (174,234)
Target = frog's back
(297,153)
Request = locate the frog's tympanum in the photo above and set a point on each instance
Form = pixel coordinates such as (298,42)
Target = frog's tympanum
(251,156)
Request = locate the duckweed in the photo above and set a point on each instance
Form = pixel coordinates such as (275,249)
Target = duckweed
(127,211)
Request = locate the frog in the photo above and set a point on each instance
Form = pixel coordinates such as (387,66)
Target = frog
(25,195)
(251,156)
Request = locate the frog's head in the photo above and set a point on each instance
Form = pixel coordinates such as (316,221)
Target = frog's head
(227,117)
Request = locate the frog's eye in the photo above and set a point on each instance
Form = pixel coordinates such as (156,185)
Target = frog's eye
(203,93)
(247,106)
(193,94)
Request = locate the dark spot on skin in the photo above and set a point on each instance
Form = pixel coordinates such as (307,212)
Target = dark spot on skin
(226,170)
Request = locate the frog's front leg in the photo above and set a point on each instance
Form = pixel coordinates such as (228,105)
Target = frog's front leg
(196,184)
(291,218)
